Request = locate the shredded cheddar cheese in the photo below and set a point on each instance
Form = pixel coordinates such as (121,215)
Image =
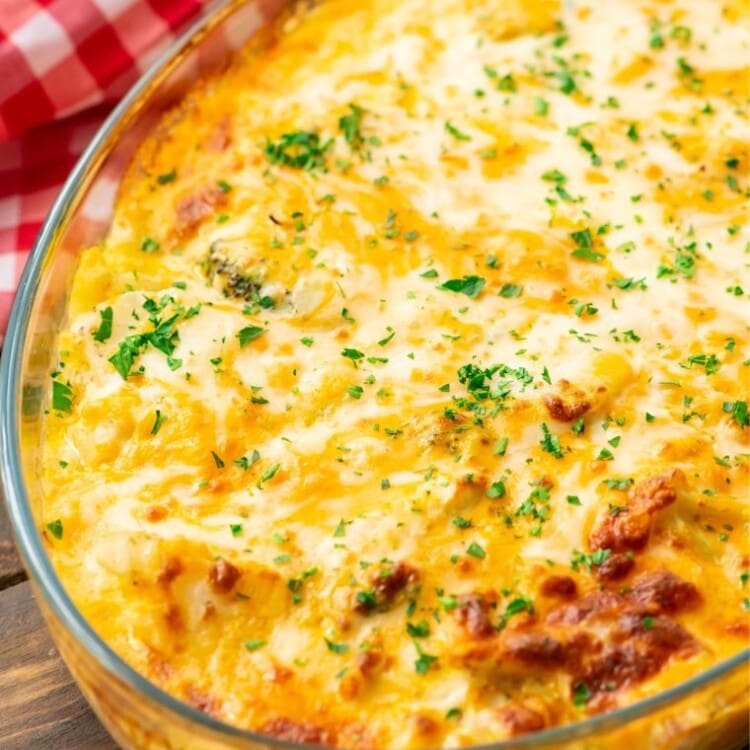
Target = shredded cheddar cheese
(406,402)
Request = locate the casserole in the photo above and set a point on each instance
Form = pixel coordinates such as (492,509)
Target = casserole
(148,728)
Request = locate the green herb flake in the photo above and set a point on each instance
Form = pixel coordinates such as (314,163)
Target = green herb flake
(475,550)
(55,528)
(254,644)
(336,648)
(62,396)
(248,334)
(159,419)
(541,106)
(496,489)
(387,339)
(302,149)
(424,661)
(456,133)
(149,245)
(620,484)
(353,354)
(550,443)
(419,629)
(167,177)
(349,125)
(501,447)
(581,694)
(739,412)
(471,286)
(508,291)
(270,472)
(104,331)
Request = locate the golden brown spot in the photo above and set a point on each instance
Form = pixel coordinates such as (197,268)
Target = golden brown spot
(559,586)
(222,576)
(170,570)
(520,719)
(297,731)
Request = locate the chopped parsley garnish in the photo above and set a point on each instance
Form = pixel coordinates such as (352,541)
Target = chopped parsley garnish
(236,529)
(307,341)
(579,559)
(163,337)
(471,286)
(355,391)
(104,331)
(739,412)
(55,528)
(224,186)
(573,500)
(620,484)
(475,550)
(367,599)
(456,133)
(709,362)
(167,177)
(245,463)
(217,460)
(627,284)
(149,245)
(424,661)
(461,523)
(419,629)
(270,472)
(302,149)
(158,422)
(353,354)
(550,443)
(295,584)
(248,334)
(254,644)
(336,648)
(541,106)
(510,290)
(496,489)
(585,246)
(515,607)
(349,126)
(62,396)
(388,338)
(581,694)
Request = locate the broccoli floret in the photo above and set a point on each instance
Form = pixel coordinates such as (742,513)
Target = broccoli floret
(231,278)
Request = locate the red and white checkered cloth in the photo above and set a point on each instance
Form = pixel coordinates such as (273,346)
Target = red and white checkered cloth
(63,65)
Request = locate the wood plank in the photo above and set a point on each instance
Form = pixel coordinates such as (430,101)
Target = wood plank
(42,708)
(11,570)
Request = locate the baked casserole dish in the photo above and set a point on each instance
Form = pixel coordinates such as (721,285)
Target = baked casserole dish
(404,403)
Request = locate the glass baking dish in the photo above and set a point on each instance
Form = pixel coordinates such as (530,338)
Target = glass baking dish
(707,712)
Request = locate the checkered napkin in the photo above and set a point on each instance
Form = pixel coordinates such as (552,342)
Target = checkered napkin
(63,65)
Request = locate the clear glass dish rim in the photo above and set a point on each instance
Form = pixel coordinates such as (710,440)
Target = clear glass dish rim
(29,540)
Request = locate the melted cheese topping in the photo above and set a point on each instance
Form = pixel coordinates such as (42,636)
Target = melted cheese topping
(405,402)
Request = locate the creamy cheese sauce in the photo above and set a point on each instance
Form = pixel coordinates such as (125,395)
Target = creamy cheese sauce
(408,312)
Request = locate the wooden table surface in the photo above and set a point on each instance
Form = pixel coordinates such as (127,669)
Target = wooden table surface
(41,708)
